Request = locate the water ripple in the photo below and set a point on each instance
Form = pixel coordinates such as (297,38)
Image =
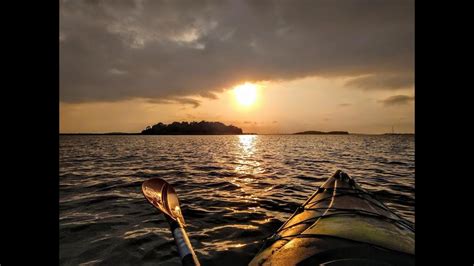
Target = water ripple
(234,190)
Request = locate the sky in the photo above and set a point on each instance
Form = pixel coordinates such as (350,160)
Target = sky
(313,65)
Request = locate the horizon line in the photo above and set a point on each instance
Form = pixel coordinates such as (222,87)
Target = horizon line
(245,133)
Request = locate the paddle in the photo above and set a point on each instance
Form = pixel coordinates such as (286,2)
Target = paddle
(163,197)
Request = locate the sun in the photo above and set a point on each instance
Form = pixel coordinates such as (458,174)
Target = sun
(246,94)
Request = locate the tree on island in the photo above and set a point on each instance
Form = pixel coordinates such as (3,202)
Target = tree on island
(192,128)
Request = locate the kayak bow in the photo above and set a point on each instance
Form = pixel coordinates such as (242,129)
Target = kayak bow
(340,224)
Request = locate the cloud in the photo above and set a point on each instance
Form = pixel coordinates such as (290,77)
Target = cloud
(344,104)
(208,95)
(182,100)
(383,81)
(250,122)
(118,50)
(190,116)
(397,100)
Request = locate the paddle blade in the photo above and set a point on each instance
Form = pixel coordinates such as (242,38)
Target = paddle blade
(163,196)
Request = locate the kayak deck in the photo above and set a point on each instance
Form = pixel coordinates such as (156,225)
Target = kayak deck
(340,224)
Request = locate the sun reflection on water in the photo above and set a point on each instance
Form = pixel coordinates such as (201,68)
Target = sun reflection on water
(247,161)
(247,143)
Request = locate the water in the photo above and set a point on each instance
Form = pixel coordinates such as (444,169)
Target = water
(234,190)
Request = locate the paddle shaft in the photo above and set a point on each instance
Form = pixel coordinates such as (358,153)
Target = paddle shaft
(185,250)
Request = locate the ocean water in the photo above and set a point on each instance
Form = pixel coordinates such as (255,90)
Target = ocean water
(234,190)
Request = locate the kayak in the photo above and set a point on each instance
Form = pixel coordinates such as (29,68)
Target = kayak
(340,224)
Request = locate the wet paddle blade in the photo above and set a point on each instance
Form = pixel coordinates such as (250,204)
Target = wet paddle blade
(163,196)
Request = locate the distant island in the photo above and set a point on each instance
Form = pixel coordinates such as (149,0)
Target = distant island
(312,132)
(192,128)
(399,134)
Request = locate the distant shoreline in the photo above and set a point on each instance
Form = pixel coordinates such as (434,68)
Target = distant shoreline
(313,132)
(205,128)
(281,134)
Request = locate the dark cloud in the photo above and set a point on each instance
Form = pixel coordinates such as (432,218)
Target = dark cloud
(397,100)
(114,50)
(171,100)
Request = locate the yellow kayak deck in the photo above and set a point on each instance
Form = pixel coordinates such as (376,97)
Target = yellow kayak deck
(339,220)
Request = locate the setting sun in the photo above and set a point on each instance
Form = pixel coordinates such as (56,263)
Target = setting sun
(246,94)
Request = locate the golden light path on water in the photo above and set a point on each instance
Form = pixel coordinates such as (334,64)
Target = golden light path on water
(246,163)
(248,167)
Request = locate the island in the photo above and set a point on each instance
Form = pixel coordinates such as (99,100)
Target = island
(312,132)
(192,128)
